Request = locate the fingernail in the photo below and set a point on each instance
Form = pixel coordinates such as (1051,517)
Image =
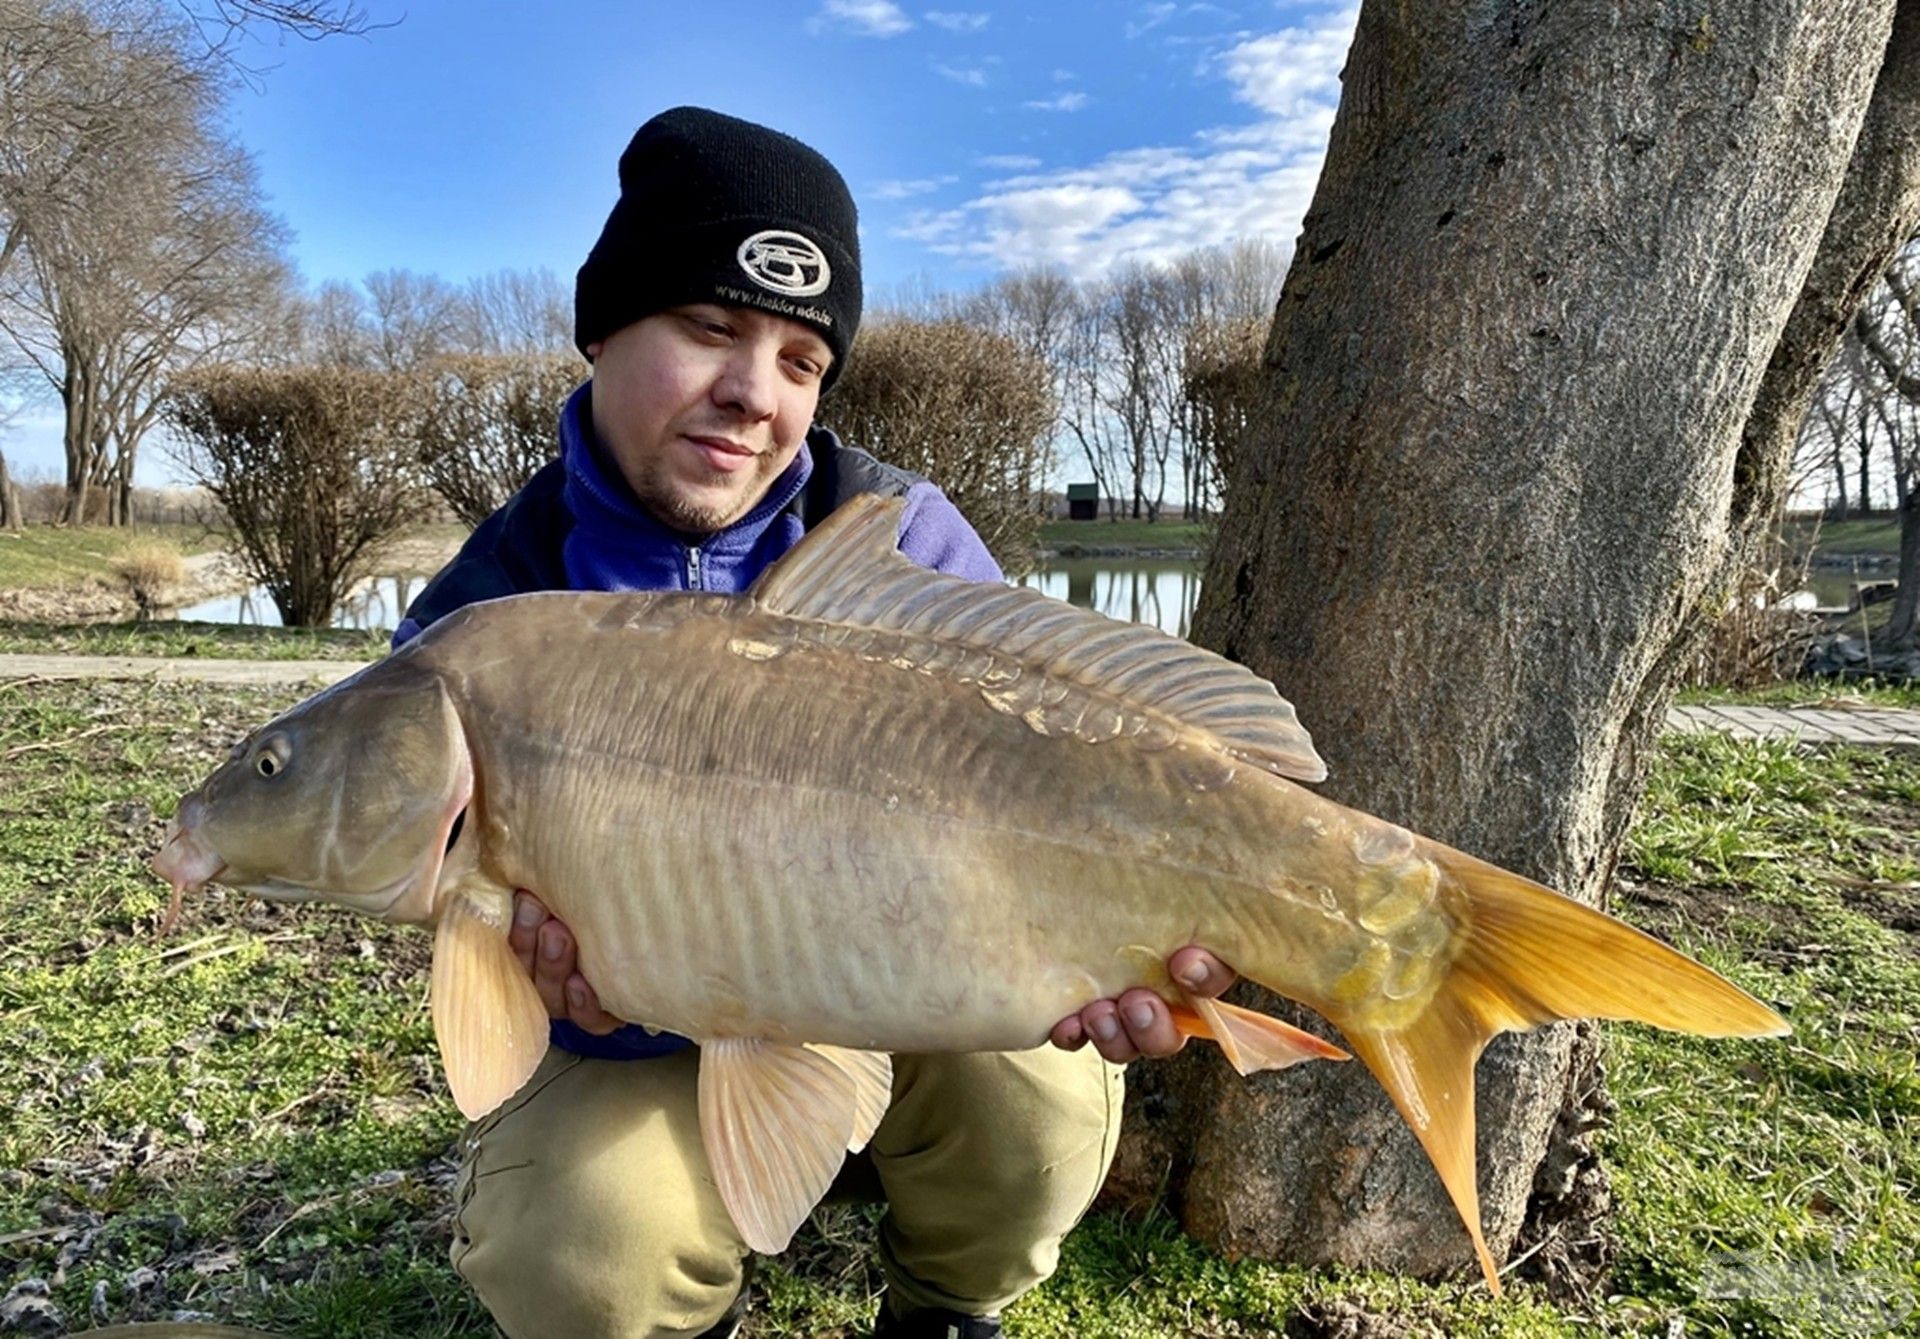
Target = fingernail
(526,914)
(1194,974)
(550,947)
(576,997)
(1105,1027)
(1139,1016)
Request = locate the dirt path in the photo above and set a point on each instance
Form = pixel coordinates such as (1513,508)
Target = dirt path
(173,669)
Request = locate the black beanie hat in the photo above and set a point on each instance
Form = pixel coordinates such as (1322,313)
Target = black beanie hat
(716,209)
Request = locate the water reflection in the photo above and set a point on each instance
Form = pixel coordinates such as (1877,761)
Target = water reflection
(380,602)
(1161,592)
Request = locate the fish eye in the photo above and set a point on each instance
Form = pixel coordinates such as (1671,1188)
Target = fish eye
(270,757)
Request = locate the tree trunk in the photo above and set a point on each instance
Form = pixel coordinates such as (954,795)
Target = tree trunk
(1531,389)
(10,518)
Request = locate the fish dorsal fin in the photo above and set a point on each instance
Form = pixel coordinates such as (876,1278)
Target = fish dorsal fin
(849,571)
(487,1016)
(777,1122)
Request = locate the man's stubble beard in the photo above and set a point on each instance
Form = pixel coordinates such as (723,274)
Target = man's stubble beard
(657,493)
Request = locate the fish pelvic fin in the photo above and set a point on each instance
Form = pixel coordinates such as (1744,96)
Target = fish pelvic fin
(487,1016)
(777,1121)
(1251,1041)
(1526,955)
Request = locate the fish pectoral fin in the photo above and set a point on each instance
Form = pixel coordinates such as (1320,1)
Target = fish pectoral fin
(487,1016)
(872,1075)
(778,1121)
(1251,1041)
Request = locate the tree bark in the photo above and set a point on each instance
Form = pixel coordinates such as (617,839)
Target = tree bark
(1568,277)
(10,517)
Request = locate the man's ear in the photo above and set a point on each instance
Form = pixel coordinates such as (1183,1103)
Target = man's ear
(593,349)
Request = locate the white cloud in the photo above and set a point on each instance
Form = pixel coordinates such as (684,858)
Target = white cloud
(1284,72)
(867,18)
(1064,76)
(1066,102)
(1156,202)
(902,190)
(1008,162)
(971,76)
(956,21)
(1151,17)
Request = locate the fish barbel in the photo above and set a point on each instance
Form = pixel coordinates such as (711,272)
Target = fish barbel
(867,808)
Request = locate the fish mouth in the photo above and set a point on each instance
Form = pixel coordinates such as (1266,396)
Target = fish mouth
(188,863)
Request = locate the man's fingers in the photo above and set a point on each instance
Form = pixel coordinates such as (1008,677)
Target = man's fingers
(523,937)
(1199,971)
(552,965)
(583,1008)
(1068,1034)
(1101,1019)
(1149,1026)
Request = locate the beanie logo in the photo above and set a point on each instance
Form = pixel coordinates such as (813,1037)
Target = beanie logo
(786,262)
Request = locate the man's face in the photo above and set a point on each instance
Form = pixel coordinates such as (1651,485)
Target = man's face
(702,407)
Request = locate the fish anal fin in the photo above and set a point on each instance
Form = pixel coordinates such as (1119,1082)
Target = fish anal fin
(487,1016)
(777,1121)
(1252,1041)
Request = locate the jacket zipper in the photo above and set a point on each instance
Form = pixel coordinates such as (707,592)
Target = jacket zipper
(693,569)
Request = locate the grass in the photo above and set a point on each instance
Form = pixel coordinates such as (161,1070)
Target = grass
(1066,536)
(1873,535)
(1813,693)
(221,641)
(245,1120)
(47,556)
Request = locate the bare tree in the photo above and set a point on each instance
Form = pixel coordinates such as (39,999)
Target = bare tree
(513,311)
(315,470)
(1887,331)
(137,241)
(1534,384)
(413,318)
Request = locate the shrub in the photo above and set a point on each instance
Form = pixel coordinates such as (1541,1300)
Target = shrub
(1760,639)
(967,408)
(152,570)
(315,469)
(490,423)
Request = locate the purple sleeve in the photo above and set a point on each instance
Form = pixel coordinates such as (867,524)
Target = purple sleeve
(934,534)
(406,632)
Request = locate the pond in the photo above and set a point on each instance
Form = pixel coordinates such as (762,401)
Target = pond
(378,603)
(1157,591)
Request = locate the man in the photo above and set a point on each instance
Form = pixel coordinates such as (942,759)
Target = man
(718,305)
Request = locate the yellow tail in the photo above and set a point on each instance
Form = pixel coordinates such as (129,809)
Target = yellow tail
(1528,955)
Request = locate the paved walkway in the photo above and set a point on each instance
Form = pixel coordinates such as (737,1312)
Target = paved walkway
(1816,725)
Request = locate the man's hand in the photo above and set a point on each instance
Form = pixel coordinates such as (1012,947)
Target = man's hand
(1138,1023)
(545,948)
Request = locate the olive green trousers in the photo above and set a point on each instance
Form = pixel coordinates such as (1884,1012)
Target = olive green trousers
(585,1206)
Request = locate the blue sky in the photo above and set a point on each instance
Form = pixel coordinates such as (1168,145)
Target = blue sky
(475,135)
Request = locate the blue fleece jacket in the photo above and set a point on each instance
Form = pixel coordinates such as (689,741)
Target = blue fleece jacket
(616,544)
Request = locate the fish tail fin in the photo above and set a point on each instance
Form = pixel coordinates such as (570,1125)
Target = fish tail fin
(1527,955)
